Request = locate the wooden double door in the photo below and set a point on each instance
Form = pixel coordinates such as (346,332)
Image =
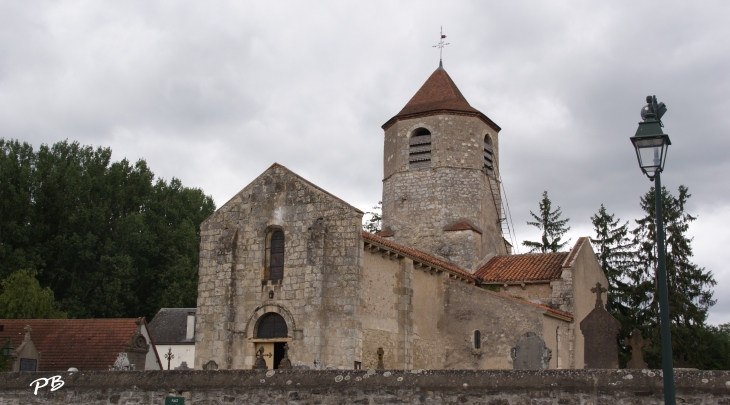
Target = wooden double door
(273,353)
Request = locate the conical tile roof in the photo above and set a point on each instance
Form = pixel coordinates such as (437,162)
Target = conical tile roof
(438,95)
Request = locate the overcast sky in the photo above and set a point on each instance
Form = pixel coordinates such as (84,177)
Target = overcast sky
(213,93)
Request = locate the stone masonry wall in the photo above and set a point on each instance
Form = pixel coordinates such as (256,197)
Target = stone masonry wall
(295,387)
(418,204)
(319,294)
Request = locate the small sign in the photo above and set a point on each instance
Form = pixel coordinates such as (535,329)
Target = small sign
(28,365)
(174,401)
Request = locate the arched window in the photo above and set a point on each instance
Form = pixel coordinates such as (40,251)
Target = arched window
(276,256)
(271,325)
(477,339)
(419,149)
(488,155)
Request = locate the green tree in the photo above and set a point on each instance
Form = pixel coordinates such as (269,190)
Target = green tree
(372,224)
(689,286)
(553,228)
(108,238)
(23,297)
(615,253)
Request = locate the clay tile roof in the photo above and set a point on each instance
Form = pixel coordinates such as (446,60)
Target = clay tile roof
(416,254)
(87,344)
(423,257)
(463,226)
(438,95)
(385,233)
(170,325)
(525,267)
(546,308)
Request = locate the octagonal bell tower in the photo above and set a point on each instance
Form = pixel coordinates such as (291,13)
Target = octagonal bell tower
(441,189)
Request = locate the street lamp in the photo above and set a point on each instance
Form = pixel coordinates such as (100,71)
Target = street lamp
(651,146)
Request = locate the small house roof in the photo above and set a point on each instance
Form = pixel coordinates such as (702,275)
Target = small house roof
(170,325)
(87,344)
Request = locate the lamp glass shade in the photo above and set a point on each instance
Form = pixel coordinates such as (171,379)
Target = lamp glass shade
(651,152)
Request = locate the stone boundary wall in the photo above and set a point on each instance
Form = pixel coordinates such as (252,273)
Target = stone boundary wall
(483,387)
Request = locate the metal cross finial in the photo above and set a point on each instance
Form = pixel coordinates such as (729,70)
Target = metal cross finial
(598,289)
(441,45)
(169,356)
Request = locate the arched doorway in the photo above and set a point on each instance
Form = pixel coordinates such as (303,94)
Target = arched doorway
(272,335)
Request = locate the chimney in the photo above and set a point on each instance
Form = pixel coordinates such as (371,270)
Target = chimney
(190,333)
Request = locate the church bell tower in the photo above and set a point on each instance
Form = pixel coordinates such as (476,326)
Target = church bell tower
(441,190)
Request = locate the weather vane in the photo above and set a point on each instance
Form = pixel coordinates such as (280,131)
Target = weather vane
(441,45)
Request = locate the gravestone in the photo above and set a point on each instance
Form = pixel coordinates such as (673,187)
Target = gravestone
(637,342)
(285,363)
(600,349)
(121,363)
(530,353)
(210,365)
(182,366)
(260,363)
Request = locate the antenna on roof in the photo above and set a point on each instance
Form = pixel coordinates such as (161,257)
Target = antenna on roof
(441,46)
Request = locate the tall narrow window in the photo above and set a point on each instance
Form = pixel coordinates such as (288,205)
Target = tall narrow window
(477,339)
(276,258)
(488,156)
(419,150)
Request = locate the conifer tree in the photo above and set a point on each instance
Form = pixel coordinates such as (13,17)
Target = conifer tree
(689,286)
(553,228)
(615,253)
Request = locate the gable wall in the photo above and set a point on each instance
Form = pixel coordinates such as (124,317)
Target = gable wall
(319,294)
(586,272)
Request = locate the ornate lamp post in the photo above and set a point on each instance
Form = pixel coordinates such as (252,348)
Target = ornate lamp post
(651,146)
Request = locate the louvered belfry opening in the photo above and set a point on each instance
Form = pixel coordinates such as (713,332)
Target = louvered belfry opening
(488,156)
(419,150)
(276,261)
(272,325)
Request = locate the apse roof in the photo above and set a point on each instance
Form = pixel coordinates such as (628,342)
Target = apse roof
(528,267)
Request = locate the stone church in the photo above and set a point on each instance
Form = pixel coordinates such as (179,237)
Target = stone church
(286,270)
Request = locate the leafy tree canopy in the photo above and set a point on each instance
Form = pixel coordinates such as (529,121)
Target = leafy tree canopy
(23,297)
(106,237)
(553,228)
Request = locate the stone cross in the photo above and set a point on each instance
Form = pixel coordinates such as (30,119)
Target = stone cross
(285,364)
(600,347)
(381,352)
(598,289)
(637,342)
